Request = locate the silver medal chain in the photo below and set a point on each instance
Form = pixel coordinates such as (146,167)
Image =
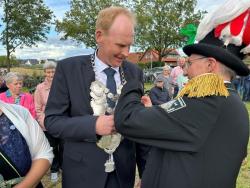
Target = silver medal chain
(110,164)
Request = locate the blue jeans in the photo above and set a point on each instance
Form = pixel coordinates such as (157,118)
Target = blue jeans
(246,90)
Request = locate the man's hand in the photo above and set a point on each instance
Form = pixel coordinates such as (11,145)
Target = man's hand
(105,125)
(146,101)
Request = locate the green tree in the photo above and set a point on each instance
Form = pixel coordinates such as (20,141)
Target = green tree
(157,28)
(79,22)
(159,23)
(42,61)
(13,61)
(25,22)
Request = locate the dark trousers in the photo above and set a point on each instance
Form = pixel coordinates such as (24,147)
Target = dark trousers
(112,180)
(57,145)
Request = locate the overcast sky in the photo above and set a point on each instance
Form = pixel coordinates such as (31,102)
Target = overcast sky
(57,49)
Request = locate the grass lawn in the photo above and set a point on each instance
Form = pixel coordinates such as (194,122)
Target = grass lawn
(27,71)
(243,180)
(147,86)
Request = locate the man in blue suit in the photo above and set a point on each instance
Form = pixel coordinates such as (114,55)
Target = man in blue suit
(77,106)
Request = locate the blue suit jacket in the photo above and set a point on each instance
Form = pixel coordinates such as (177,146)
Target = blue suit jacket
(69,117)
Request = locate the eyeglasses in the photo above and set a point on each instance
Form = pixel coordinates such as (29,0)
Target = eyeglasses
(190,61)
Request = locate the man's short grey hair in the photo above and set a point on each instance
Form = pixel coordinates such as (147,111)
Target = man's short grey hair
(227,71)
(11,76)
(166,67)
(49,65)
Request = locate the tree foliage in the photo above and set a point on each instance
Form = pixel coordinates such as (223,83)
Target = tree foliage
(13,61)
(79,22)
(25,22)
(159,23)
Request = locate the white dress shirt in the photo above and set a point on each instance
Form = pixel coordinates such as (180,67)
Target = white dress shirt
(101,76)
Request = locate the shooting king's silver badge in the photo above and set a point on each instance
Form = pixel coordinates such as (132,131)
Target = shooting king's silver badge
(99,94)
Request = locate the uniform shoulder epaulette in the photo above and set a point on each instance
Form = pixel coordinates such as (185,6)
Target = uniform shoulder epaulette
(204,85)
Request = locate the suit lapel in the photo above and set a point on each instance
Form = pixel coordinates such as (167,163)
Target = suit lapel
(125,70)
(88,76)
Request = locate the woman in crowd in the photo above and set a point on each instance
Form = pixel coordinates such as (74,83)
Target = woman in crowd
(14,94)
(25,154)
(166,79)
(182,79)
(3,86)
(41,96)
(175,72)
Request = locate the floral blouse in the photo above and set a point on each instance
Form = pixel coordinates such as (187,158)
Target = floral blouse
(14,145)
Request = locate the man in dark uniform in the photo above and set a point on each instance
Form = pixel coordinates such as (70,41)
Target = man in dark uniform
(200,138)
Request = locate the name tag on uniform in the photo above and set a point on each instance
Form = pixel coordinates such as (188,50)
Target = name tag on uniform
(173,105)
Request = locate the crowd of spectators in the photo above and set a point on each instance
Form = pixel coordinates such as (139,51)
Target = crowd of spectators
(174,80)
(11,92)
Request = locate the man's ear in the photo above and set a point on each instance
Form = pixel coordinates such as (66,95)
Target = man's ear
(98,36)
(212,64)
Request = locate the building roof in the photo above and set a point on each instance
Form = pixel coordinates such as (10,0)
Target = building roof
(152,56)
(31,61)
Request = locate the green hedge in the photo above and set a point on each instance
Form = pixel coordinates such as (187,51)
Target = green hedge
(31,82)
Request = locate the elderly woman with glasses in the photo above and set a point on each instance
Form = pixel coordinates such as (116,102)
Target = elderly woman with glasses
(14,94)
(41,96)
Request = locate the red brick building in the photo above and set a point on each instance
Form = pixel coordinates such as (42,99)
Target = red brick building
(153,56)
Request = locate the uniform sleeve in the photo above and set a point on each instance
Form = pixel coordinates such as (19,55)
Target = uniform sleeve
(142,150)
(183,126)
(58,121)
